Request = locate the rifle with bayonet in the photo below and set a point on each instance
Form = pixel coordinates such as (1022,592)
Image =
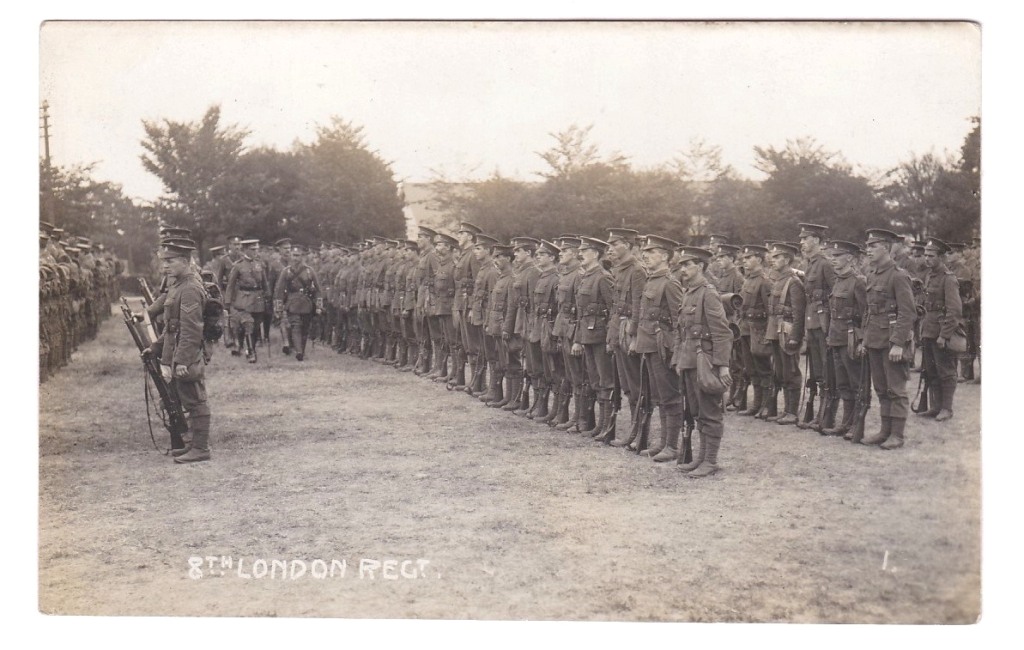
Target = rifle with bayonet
(172,415)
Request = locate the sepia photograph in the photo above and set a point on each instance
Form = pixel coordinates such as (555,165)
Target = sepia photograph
(580,321)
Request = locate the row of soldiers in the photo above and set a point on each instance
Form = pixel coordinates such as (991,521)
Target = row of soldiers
(77,284)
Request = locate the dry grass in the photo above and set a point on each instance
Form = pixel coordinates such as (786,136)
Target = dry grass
(338,458)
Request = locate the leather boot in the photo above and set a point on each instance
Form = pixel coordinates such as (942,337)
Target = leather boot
(479,381)
(803,422)
(741,397)
(250,349)
(540,402)
(491,394)
(792,401)
(515,383)
(710,463)
(654,447)
(673,423)
(459,375)
(699,457)
(628,425)
(570,424)
(882,435)
(946,389)
(556,406)
(603,408)
(522,406)
(562,416)
(437,355)
(827,416)
(770,409)
(895,440)
(843,428)
(587,424)
(755,406)
(935,395)
(200,448)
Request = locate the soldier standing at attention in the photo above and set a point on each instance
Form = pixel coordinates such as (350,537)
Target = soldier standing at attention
(786,308)
(181,348)
(440,301)
(466,268)
(486,353)
(543,309)
(943,313)
(628,280)
(755,350)
(887,337)
(847,304)
(729,283)
(818,281)
(244,297)
(661,298)
(497,311)
(564,330)
(594,298)
(297,297)
(524,276)
(704,330)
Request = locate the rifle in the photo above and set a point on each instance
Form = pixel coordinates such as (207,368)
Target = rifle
(924,382)
(609,435)
(147,292)
(172,415)
(810,390)
(863,402)
(641,426)
(686,450)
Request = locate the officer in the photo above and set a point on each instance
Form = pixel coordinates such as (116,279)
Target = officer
(755,349)
(244,297)
(704,330)
(594,298)
(818,280)
(847,305)
(297,297)
(787,306)
(942,317)
(628,280)
(888,334)
(181,348)
(661,298)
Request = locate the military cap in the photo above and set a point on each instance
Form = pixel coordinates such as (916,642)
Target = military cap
(480,239)
(593,243)
(917,245)
(693,253)
(46,226)
(250,242)
(216,249)
(235,239)
(652,242)
(957,246)
(812,230)
(57,231)
(43,236)
(442,237)
(568,241)
(731,250)
(627,235)
(472,229)
(502,249)
(69,247)
(176,248)
(302,248)
(837,246)
(377,239)
(753,250)
(411,245)
(781,247)
(528,243)
(176,241)
(174,231)
(937,246)
(881,235)
(392,243)
(426,232)
(284,241)
(549,248)
(715,238)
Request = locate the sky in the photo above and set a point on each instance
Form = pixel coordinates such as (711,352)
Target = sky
(468,99)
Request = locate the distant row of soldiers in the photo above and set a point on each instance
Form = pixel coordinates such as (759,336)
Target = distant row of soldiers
(77,284)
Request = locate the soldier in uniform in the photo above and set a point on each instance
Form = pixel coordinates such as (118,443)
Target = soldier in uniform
(661,298)
(181,349)
(594,298)
(297,297)
(818,280)
(222,270)
(524,276)
(246,292)
(570,385)
(942,316)
(543,308)
(479,303)
(439,304)
(755,350)
(283,247)
(729,283)
(410,343)
(847,304)
(787,306)
(628,280)
(497,337)
(466,268)
(888,337)
(703,330)
(426,244)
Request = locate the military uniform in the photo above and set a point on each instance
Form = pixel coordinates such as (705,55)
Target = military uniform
(787,306)
(245,296)
(594,298)
(494,329)
(943,316)
(543,310)
(466,269)
(524,276)
(573,377)
(818,279)
(847,305)
(479,304)
(628,281)
(755,349)
(298,296)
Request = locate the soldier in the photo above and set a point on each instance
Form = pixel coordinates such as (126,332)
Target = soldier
(497,336)
(298,295)
(704,330)
(660,301)
(466,268)
(543,308)
(181,349)
(574,379)
(729,282)
(847,305)
(785,329)
(423,280)
(439,304)
(246,293)
(755,349)
(957,262)
(942,317)
(594,299)
(479,304)
(818,280)
(410,350)
(628,280)
(221,268)
(888,337)
(524,276)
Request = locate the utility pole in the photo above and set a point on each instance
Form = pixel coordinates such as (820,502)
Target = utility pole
(46,131)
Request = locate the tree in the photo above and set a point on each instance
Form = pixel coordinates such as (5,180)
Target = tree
(194,161)
(909,194)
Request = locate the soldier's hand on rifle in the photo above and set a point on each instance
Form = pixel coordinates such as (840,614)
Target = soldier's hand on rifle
(896,353)
(180,371)
(146,354)
(576,350)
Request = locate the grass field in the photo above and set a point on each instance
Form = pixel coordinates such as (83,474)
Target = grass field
(473,513)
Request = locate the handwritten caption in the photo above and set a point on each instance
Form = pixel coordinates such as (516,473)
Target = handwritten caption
(200,567)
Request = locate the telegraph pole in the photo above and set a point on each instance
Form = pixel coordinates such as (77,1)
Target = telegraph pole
(46,131)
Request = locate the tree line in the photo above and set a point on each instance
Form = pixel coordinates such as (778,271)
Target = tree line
(337,188)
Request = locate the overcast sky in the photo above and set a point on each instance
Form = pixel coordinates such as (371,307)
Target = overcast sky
(470,98)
